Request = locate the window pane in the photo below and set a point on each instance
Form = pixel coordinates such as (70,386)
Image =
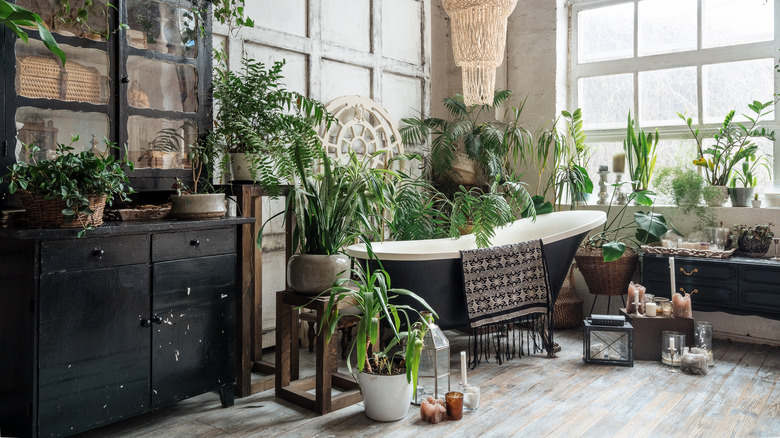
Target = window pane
(162,85)
(46,128)
(730,22)
(606,33)
(162,28)
(732,85)
(160,143)
(606,100)
(65,17)
(601,155)
(39,74)
(664,93)
(663,32)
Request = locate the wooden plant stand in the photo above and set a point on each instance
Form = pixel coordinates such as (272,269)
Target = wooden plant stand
(288,386)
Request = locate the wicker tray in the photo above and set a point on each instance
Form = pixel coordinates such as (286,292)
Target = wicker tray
(712,254)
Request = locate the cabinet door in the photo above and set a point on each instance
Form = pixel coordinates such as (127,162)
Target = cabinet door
(193,349)
(93,352)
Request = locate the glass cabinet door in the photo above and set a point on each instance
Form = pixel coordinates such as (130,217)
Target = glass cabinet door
(162,27)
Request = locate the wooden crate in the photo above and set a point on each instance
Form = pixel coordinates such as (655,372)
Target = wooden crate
(647,333)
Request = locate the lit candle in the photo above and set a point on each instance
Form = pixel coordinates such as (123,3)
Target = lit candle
(671,274)
(619,162)
(463,368)
(650,309)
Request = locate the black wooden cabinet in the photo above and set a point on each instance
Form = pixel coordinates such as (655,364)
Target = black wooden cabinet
(739,285)
(131,318)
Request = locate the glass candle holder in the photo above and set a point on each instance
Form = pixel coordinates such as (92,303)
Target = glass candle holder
(470,397)
(454,404)
(672,347)
(663,306)
(703,334)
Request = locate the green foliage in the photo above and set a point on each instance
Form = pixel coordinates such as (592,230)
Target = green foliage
(14,17)
(571,159)
(640,154)
(762,233)
(257,115)
(372,292)
(733,142)
(490,143)
(747,174)
(71,177)
(231,14)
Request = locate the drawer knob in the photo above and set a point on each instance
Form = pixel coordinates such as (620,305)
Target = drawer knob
(695,291)
(157,319)
(97,252)
(195,242)
(695,270)
(146,323)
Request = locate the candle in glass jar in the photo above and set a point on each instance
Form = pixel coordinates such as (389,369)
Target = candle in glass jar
(619,162)
(454,405)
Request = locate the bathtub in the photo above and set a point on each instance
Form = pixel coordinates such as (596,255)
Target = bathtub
(432,270)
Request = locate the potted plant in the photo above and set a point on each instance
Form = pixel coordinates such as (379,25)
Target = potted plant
(259,122)
(756,202)
(386,377)
(640,155)
(745,179)
(687,189)
(606,260)
(752,240)
(71,189)
(572,179)
(467,150)
(201,201)
(732,144)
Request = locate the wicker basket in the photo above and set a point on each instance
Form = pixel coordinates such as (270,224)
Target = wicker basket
(47,213)
(43,77)
(606,278)
(567,312)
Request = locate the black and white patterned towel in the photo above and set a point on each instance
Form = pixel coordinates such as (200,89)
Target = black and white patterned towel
(505,282)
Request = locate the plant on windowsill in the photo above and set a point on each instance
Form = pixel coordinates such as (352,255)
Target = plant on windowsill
(745,179)
(686,188)
(732,144)
(386,377)
(571,176)
(640,155)
(71,189)
(756,202)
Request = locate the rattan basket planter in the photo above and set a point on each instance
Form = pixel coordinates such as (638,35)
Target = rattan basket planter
(567,311)
(606,278)
(47,213)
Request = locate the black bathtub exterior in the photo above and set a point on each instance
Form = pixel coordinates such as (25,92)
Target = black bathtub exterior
(440,282)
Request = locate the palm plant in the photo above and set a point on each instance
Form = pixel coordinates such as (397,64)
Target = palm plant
(571,159)
(640,154)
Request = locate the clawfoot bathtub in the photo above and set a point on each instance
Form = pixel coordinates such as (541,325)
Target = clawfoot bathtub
(432,268)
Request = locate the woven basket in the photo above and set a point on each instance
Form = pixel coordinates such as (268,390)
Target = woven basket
(47,213)
(567,312)
(606,278)
(42,77)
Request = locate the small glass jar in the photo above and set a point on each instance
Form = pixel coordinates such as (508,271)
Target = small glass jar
(470,397)
(672,347)
(663,306)
(703,335)
(453,402)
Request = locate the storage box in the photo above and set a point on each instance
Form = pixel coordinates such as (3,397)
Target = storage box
(647,333)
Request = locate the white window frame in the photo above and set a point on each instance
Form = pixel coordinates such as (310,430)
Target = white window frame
(691,58)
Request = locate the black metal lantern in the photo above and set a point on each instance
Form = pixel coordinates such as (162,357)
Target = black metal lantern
(608,344)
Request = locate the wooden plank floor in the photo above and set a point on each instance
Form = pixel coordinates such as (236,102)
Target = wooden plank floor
(533,396)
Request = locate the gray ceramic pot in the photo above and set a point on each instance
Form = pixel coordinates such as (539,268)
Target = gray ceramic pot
(741,196)
(313,273)
(198,206)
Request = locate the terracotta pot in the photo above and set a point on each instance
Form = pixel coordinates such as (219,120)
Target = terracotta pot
(606,278)
(385,397)
(198,206)
(312,274)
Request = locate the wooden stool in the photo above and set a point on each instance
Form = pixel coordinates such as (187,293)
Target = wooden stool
(288,386)
(345,326)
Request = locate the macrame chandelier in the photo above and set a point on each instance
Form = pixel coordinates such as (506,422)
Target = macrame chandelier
(478,41)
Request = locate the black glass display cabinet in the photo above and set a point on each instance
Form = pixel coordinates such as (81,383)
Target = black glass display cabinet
(144,84)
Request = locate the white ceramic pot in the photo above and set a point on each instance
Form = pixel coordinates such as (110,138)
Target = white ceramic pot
(756,203)
(315,273)
(241,167)
(385,398)
(198,206)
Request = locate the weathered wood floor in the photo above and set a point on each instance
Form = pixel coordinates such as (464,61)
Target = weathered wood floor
(531,397)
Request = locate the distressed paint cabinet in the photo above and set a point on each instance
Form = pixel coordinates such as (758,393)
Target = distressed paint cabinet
(134,317)
(739,285)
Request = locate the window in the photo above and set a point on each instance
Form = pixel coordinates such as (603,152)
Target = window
(657,58)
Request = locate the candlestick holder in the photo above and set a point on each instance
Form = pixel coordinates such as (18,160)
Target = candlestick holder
(603,194)
(672,346)
(776,240)
(620,196)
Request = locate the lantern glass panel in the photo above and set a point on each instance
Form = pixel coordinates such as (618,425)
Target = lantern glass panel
(433,377)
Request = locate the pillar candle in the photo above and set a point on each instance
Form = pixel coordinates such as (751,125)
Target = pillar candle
(650,309)
(463,368)
(671,274)
(619,162)
(671,343)
(636,300)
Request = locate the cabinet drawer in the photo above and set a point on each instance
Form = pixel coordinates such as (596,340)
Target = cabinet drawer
(760,299)
(687,269)
(93,252)
(767,277)
(198,243)
(709,294)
